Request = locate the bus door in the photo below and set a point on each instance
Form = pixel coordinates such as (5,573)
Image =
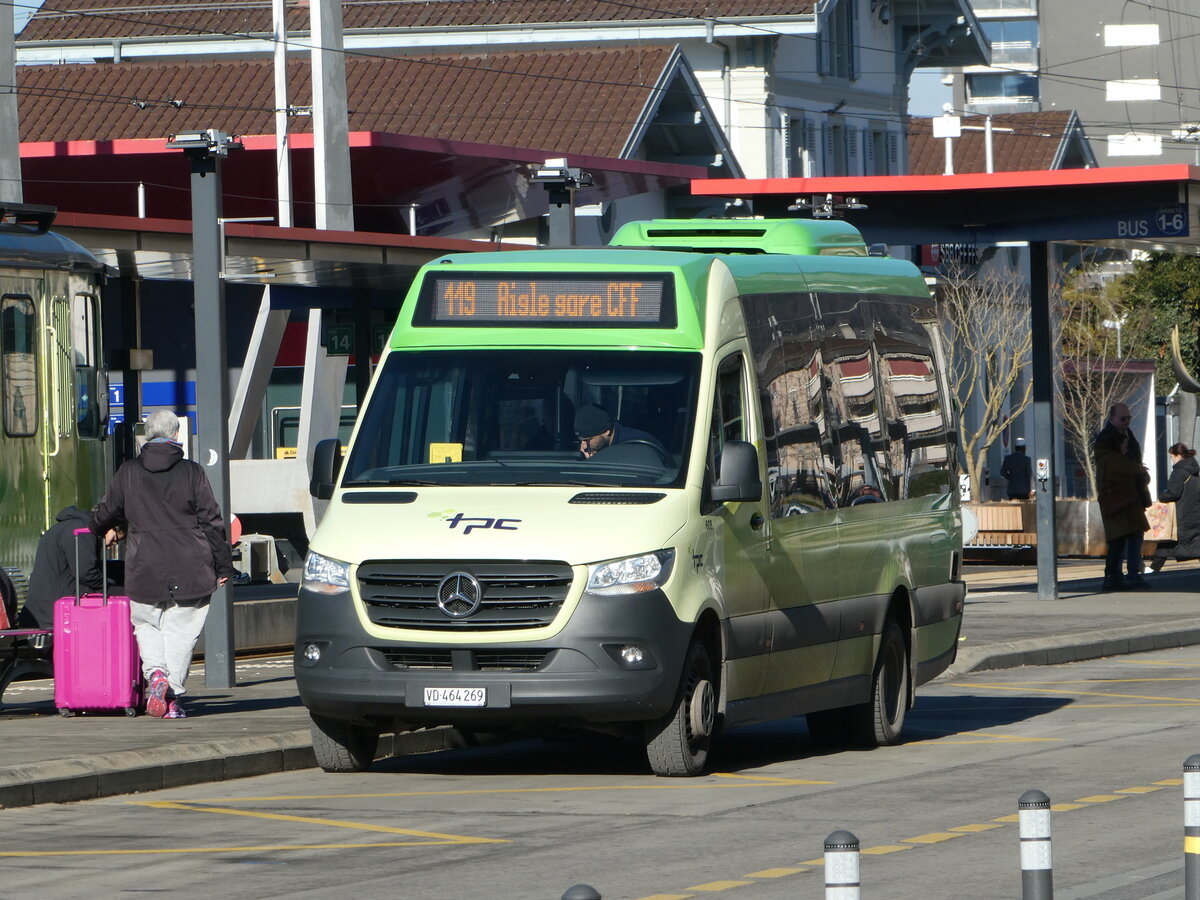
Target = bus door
(739,533)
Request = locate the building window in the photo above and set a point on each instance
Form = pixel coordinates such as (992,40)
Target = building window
(1011,86)
(838,43)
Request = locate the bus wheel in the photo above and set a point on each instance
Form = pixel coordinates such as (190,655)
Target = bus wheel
(678,744)
(343,746)
(879,722)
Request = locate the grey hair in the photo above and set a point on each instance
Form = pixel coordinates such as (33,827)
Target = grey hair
(162,423)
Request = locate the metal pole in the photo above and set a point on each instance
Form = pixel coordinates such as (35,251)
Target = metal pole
(283,159)
(841,866)
(1037,872)
(987,144)
(1191,828)
(1042,370)
(212,394)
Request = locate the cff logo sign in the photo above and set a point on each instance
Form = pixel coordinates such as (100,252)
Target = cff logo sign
(470,523)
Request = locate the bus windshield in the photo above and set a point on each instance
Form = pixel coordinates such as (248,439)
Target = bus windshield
(452,417)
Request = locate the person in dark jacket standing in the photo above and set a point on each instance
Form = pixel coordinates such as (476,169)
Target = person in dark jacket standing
(1017,469)
(177,553)
(1123,497)
(53,573)
(1183,489)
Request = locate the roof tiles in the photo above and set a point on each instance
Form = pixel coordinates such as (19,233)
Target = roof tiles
(1032,144)
(569,101)
(106,19)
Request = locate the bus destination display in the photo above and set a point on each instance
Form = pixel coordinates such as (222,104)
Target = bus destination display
(501,299)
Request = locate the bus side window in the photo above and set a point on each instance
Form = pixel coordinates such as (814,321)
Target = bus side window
(728,417)
(919,428)
(18,365)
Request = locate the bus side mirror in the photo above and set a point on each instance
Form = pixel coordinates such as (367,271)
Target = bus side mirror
(739,479)
(327,463)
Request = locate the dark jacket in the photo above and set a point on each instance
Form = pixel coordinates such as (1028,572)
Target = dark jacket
(53,573)
(1183,489)
(1017,468)
(177,545)
(1117,471)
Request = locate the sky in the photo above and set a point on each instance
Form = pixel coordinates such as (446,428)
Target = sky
(926,93)
(22,10)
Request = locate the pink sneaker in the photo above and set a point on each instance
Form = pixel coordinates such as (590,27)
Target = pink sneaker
(175,710)
(156,696)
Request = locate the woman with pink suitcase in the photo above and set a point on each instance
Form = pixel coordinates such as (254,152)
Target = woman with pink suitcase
(177,552)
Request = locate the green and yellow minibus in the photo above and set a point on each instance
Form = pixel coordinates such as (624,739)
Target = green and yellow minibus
(700,481)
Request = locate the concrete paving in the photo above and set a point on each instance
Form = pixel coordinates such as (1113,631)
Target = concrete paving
(260,726)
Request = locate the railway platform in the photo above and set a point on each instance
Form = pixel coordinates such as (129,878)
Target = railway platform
(260,726)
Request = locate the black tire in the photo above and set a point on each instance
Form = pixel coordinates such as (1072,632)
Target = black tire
(678,744)
(880,722)
(130,712)
(341,746)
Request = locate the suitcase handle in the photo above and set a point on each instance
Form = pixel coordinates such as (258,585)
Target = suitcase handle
(79,532)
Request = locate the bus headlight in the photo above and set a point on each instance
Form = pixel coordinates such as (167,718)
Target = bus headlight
(632,575)
(325,575)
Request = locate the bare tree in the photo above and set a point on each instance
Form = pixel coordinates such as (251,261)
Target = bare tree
(986,317)
(1093,363)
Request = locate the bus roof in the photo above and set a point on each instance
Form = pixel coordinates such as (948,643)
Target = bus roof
(802,237)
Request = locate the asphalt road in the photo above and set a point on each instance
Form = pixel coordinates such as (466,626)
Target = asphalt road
(1106,740)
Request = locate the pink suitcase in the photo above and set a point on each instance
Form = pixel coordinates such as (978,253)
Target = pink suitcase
(96,661)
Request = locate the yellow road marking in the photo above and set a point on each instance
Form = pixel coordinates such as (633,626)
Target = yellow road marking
(1005,687)
(814,862)
(1100,798)
(886,848)
(333,823)
(1066,807)
(1137,790)
(667,897)
(1191,844)
(464,792)
(1170,782)
(262,848)
(769,779)
(710,886)
(1013,818)
(775,873)
(972,829)
(984,739)
(935,837)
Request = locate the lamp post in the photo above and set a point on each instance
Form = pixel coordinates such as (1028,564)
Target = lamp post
(205,149)
(1115,323)
(561,182)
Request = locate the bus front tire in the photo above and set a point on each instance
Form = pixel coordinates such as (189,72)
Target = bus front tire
(678,744)
(343,746)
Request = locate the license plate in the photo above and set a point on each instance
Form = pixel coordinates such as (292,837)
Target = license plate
(441,696)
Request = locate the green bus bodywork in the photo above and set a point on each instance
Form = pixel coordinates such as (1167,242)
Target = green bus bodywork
(834,593)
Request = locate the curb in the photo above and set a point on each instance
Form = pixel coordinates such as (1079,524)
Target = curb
(1074,648)
(135,771)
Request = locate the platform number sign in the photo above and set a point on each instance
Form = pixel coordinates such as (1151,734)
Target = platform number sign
(1171,220)
(339,340)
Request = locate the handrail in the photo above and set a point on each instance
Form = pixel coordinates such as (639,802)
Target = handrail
(52,407)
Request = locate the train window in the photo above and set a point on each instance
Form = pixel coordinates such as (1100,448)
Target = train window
(91,389)
(18,364)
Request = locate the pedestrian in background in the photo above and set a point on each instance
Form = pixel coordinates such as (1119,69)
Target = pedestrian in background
(1123,497)
(1183,489)
(177,553)
(54,572)
(1017,468)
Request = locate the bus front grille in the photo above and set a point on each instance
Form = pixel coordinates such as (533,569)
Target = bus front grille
(512,596)
(473,660)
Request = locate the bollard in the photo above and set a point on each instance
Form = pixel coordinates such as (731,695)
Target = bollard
(1037,873)
(841,866)
(1191,828)
(581,892)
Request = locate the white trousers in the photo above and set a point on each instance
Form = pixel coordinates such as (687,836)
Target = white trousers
(166,634)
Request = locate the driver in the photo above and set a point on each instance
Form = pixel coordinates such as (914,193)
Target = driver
(596,429)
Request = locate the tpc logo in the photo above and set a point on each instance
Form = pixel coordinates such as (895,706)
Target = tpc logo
(470,523)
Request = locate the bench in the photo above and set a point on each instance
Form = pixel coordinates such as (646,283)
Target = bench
(24,652)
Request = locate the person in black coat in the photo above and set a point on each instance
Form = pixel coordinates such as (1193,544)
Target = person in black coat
(54,574)
(1183,489)
(177,553)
